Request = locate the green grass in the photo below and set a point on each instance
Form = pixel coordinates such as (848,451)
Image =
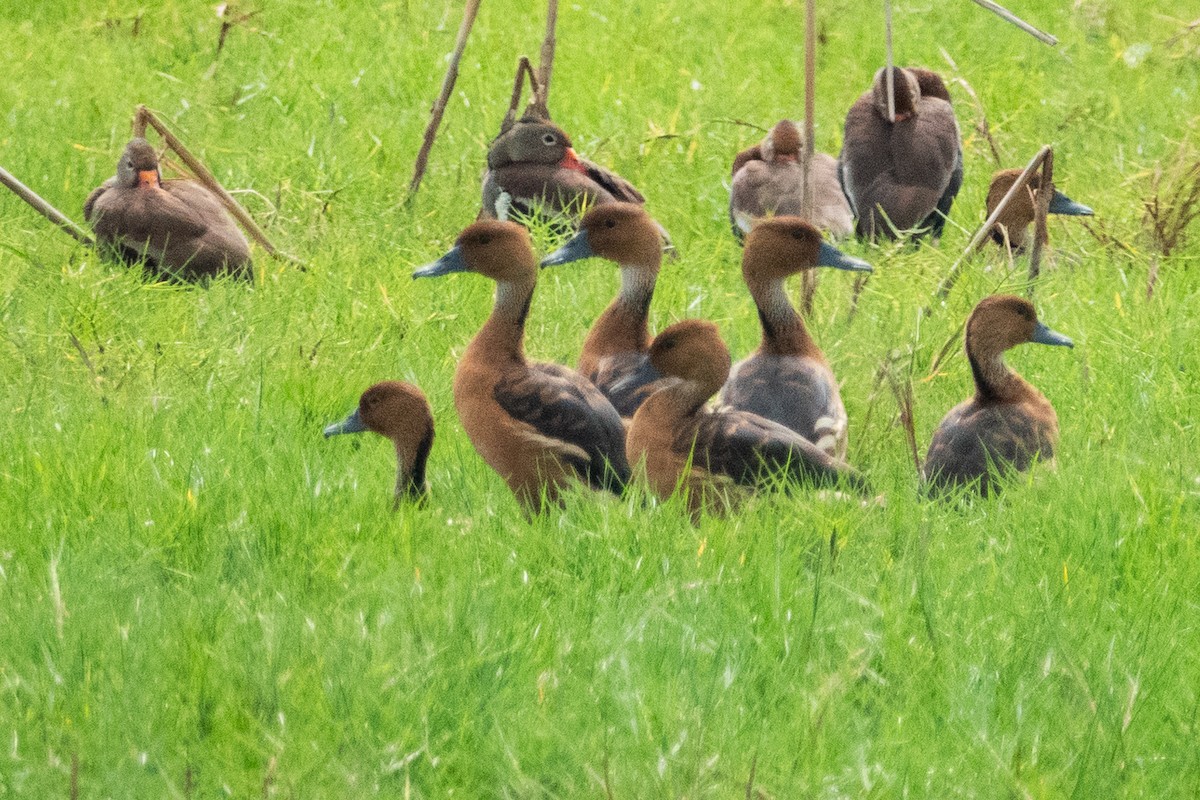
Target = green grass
(201,597)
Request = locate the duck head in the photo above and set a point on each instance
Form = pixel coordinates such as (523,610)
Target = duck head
(783,143)
(499,250)
(399,412)
(929,82)
(907,93)
(693,351)
(534,141)
(620,232)
(781,246)
(138,165)
(1020,210)
(1003,321)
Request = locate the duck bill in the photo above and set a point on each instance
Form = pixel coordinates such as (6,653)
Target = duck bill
(830,256)
(148,177)
(1044,335)
(571,161)
(1061,204)
(576,249)
(351,424)
(451,262)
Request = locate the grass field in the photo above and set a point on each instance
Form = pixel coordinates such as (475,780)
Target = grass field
(200,597)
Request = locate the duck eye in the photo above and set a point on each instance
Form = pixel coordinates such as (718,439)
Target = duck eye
(485,239)
(549,138)
(610,223)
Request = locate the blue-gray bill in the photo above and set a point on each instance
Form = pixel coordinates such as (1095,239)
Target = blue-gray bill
(576,249)
(1044,335)
(1061,204)
(830,256)
(451,262)
(351,424)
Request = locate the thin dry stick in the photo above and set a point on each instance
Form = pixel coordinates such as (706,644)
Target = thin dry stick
(524,69)
(750,782)
(952,276)
(1004,13)
(903,393)
(891,88)
(146,117)
(1040,211)
(74,788)
(42,207)
(808,280)
(439,107)
(546,61)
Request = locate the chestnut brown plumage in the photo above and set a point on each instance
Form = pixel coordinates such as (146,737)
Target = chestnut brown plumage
(711,453)
(768,180)
(615,351)
(397,411)
(178,228)
(1008,423)
(1012,228)
(896,174)
(538,425)
(787,380)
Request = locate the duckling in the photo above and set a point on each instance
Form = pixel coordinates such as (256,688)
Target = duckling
(768,180)
(533,164)
(898,173)
(787,380)
(1008,423)
(400,412)
(538,425)
(615,351)
(711,453)
(178,228)
(1012,229)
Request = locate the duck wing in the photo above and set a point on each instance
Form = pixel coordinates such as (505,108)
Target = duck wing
(219,245)
(563,406)
(627,379)
(749,448)
(745,157)
(611,182)
(795,392)
(975,441)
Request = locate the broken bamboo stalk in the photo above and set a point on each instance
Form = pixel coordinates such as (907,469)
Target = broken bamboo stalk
(439,106)
(145,117)
(45,209)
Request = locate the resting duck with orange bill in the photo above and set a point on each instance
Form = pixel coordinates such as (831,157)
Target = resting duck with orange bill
(539,426)
(399,412)
(178,228)
(1008,424)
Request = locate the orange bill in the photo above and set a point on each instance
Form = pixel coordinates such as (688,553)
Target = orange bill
(571,161)
(148,177)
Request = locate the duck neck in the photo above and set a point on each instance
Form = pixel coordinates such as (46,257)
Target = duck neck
(502,336)
(623,327)
(681,399)
(784,332)
(994,381)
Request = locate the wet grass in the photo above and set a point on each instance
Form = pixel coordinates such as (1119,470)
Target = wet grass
(201,597)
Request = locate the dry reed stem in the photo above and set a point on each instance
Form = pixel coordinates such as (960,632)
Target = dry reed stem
(439,106)
(1040,211)
(808,280)
(1005,14)
(145,117)
(44,208)
(541,97)
(524,70)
